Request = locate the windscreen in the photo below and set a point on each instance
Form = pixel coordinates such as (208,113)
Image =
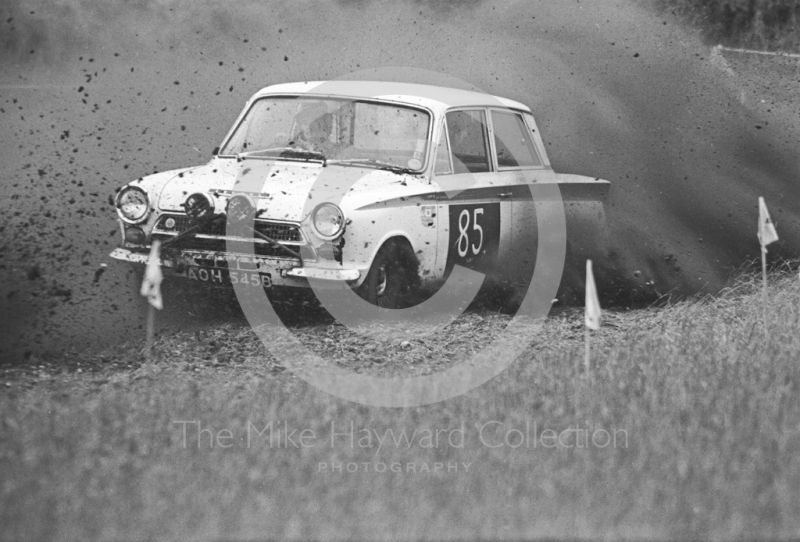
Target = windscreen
(335,129)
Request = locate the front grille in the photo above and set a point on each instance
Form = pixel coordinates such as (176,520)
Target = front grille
(259,248)
(288,233)
(212,237)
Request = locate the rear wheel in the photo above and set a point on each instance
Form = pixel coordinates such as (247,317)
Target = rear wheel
(392,279)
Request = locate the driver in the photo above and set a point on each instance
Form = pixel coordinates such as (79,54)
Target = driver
(313,125)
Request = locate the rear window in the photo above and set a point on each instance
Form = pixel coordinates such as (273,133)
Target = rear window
(512,141)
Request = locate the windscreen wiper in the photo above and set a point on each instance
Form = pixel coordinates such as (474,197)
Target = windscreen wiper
(287,152)
(378,164)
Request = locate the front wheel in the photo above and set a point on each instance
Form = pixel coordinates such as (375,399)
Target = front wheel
(392,277)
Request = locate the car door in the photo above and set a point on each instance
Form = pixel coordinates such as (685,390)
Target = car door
(475,218)
(519,164)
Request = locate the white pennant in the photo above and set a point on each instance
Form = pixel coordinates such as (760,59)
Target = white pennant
(593,311)
(766,229)
(151,285)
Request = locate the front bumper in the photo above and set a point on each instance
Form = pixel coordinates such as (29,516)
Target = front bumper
(208,267)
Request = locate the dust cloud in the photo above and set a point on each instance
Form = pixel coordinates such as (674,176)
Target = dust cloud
(95,94)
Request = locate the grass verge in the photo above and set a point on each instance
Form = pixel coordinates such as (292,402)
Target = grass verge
(689,428)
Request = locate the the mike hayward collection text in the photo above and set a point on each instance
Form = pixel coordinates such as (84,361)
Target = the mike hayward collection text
(282,434)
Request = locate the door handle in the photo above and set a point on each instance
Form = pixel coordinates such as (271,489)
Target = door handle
(505,194)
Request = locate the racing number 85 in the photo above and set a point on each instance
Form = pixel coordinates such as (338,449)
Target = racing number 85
(463,237)
(474,235)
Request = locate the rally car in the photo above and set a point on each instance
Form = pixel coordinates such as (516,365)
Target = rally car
(381,187)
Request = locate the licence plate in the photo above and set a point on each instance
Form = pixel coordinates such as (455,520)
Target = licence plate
(228,277)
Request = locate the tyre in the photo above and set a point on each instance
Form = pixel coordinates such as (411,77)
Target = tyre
(392,280)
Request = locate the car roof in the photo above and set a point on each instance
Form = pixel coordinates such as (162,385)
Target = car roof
(433,97)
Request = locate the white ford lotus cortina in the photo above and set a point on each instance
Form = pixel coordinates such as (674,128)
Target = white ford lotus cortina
(383,187)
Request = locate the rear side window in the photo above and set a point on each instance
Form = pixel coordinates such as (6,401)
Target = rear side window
(467,131)
(512,141)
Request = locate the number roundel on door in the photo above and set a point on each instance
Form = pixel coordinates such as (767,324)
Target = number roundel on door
(474,236)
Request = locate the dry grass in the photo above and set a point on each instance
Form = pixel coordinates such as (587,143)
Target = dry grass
(705,409)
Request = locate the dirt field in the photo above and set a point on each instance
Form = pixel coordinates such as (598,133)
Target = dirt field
(117,91)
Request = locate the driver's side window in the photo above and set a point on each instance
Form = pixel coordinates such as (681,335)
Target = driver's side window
(469,148)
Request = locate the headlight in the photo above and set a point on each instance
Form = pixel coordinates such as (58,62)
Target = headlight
(328,220)
(134,235)
(132,204)
(241,209)
(198,206)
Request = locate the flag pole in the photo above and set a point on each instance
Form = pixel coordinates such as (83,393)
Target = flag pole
(764,286)
(592,317)
(151,327)
(151,289)
(588,355)
(766,235)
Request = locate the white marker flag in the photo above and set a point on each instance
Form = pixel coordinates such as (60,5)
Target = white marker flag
(151,285)
(593,311)
(766,230)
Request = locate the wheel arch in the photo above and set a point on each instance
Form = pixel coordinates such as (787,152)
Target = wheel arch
(396,238)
